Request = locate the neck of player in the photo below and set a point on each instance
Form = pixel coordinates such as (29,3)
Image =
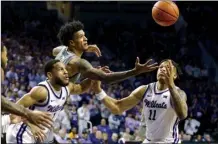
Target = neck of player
(55,86)
(161,86)
(76,51)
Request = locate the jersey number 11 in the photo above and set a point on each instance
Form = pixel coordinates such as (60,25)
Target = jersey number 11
(152,115)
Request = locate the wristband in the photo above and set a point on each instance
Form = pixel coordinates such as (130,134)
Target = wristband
(100,96)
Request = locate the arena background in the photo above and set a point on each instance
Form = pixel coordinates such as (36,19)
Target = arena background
(123,31)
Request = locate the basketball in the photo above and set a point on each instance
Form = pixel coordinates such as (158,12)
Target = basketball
(165,13)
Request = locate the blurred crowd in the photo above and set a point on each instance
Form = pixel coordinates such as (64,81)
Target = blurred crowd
(85,119)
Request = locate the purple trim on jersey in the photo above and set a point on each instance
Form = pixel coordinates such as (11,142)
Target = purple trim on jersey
(146,91)
(171,103)
(20,133)
(159,93)
(175,136)
(53,91)
(43,105)
(22,129)
(67,91)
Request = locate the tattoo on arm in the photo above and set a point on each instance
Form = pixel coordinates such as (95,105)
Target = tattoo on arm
(179,102)
(13,108)
(96,74)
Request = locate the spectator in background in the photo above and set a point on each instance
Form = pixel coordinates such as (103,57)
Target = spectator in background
(73,116)
(130,123)
(105,138)
(104,112)
(191,126)
(84,139)
(61,136)
(93,134)
(83,117)
(114,122)
(114,139)
(11,74)
(125,137)
(73,133)
(103,127)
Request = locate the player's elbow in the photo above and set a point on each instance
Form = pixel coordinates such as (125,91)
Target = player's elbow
(183,115)
(116,112)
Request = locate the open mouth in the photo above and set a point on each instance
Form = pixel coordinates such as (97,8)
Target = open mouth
(67,78)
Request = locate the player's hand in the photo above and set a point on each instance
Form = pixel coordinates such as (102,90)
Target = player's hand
(94,49)
(37,133)
(96,86)
(15,119)
(146,67)
(168,75)
(40,119)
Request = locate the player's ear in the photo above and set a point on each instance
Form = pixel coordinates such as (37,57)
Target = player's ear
(49,75)
(72,43)
(175,75)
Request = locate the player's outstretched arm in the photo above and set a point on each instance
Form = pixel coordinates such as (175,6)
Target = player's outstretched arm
(80,88)
(8,106)
(178,97)
(38,118)
(88,71)
(119,106)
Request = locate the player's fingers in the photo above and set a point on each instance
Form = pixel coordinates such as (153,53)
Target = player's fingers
(43,135)
(98,51)
(148,61)
(39,137)
(106,67)
(168,71)
(153,65)
(107,70)
(48,118)
(137,60)
(40,126)
(153,68)
(45,124)
(97,54)
(98,67)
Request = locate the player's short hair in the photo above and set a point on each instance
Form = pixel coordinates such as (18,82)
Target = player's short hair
(50,65)
(66,31)
(176,65)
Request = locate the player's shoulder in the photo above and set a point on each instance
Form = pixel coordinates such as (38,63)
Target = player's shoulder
(39,90)
(76,60)
(142,89)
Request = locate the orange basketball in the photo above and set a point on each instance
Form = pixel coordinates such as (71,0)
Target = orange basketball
(165,13)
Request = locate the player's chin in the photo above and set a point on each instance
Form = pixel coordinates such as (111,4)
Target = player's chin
(85,47)
(65,82)
(160,79)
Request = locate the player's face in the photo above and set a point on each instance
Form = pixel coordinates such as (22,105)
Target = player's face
(80,41)
(163,70)
(60,74)
(4,57)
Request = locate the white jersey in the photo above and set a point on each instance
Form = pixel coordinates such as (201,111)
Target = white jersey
(54,103)
(65,57)
(159,116)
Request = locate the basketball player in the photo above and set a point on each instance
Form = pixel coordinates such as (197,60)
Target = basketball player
(49,96)
(72,36)
(36,117)
(164,104)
